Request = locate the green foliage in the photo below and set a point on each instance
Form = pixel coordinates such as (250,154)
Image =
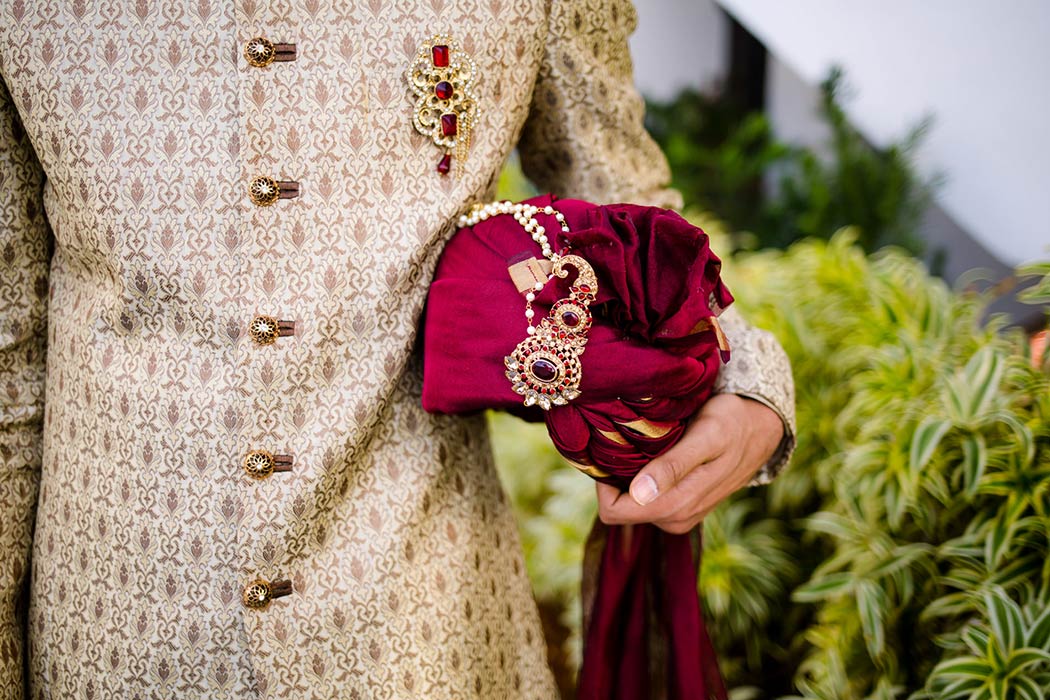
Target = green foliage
(905,553)
(720,156)
(920,492)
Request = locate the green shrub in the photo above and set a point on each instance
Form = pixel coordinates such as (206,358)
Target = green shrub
(910,534)
(720,156)
(922,478)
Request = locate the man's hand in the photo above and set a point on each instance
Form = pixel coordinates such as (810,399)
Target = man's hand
(722,448)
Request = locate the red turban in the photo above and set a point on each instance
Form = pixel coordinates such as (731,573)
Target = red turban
(650,361)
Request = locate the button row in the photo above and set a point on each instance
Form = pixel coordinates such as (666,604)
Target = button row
(265,330)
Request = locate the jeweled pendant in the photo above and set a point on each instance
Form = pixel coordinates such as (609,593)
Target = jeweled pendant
(545,367)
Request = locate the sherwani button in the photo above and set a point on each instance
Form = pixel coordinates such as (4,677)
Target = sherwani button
(265,330)
(261,52)
(258,594)
(260,464)
(265,191)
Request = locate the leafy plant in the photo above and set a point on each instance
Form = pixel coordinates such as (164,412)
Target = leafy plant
(721,156)
(922,476)
(1009,657)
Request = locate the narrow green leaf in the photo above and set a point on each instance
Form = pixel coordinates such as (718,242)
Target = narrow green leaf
(1039,631)
(984,374)
(964,667)
(1027,689)
(1005,617)
(975,458)
(998,542)
(975,638)
(835,525)
(1025,657)
(924,442)
(824,587)
(1039,293)
(960,689)
(998,687)
(871,604)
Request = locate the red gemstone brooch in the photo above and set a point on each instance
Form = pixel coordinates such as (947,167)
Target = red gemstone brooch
(442,77)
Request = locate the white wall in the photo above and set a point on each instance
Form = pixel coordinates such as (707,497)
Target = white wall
(980,68)
(679,44)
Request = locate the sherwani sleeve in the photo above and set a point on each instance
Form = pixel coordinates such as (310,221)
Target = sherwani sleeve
(24,261)
(584,137)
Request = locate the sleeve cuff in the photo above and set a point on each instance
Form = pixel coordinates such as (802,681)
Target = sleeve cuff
(782,455)
(760,370)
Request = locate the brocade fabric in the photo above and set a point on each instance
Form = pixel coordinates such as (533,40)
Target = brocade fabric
(132,262)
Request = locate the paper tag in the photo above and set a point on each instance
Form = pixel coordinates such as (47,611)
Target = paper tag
(526,273)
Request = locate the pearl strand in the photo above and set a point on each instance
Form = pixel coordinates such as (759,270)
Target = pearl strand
(524,214)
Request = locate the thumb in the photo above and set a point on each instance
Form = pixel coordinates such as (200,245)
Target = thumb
(696,447)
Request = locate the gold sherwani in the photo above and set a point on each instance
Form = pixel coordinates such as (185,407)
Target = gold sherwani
(132,262)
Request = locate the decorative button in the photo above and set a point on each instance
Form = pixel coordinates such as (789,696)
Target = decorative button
(261,52)
(259,464)
(258,594)
(264,191)
(265,330)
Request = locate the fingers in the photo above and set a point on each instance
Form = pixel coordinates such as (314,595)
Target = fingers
(716,455)
(676,512)
(681,507)
(701,443)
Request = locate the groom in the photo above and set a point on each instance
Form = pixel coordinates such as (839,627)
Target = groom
(217,227)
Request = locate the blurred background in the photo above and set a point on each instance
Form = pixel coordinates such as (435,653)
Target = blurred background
(875,176)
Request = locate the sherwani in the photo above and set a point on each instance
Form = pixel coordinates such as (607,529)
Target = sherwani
(132,263)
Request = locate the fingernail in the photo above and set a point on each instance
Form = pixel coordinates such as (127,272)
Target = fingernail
(643,490)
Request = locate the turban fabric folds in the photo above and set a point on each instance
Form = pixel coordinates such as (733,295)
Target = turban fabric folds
(650,361)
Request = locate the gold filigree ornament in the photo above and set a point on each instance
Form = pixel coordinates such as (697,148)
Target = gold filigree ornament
(442,77)
(545,367)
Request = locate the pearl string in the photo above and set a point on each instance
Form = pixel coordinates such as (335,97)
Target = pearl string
(524,214)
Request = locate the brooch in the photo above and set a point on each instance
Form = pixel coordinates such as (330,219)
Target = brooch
(442,77)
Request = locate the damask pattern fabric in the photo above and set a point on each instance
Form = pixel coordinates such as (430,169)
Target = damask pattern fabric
(140,261)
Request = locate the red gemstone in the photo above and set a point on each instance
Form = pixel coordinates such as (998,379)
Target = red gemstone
(443,90)
(448,124)
(445,164)
(570,319)
(585,288)
(440,56)
(544,370)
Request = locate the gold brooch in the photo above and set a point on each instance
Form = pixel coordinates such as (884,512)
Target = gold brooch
(442,76)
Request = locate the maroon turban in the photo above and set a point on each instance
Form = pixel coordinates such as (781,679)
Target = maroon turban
(650,361)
